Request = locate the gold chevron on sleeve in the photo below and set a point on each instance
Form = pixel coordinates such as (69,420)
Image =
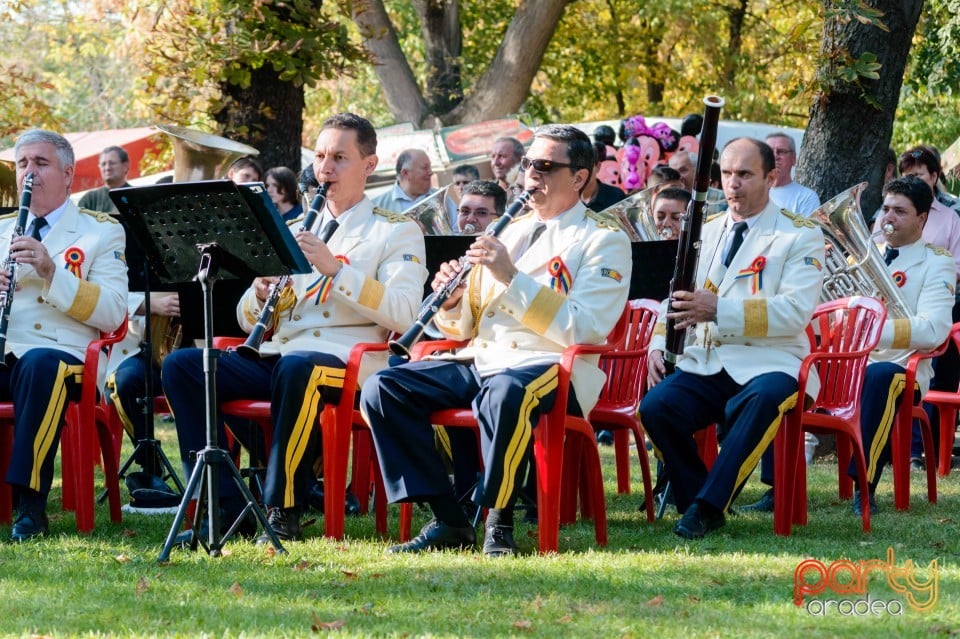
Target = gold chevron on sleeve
(371,294)
(543,309)
(901,333)
(755,318)
(85,301)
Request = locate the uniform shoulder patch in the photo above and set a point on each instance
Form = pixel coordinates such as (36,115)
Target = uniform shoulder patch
(100,216)
(601,221)
(798,220)
(393,218)
(939,250)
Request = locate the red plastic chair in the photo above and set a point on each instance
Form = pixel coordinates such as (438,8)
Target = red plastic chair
(553,435)
(81,433)
(339,422)
(616,409)
(842,333)
(902,432)
(947,402)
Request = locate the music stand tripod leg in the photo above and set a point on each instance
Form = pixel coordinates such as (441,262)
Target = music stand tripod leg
(212,456)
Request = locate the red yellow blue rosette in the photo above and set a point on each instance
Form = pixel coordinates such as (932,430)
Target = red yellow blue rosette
(560,275)
(74,257)
(899,278)
(755,272)
(321,287)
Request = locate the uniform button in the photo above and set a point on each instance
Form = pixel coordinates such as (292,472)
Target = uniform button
(483,345)
(513,345)
(347,293)
(490,313)
(284,340)
(316,333)
(37,327)
(296,318)
(124,351)
(747,344)
(326,313)
(341,288)
(717,342)
(39,300)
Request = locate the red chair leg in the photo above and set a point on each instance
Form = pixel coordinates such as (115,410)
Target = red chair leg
(948,428)
(572,452)
(360,475)
(406,519)
(336,450)
(621,449)
(843,462)
(900,457)
(930,454)
(641,442)
(548,449)
(111,471)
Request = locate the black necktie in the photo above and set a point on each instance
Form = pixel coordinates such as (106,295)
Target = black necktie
(537,232)
(328,230)
(35,226)
(739,229)
(890,255)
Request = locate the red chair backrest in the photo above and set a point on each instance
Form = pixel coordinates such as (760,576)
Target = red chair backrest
(843,333)
(626,366)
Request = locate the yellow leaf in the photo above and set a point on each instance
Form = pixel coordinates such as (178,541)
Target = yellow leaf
(303,564)
(523,624)
(656,601)
(236,590)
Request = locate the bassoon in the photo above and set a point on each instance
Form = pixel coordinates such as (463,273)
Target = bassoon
(688,248)
(251,347)
(10,265)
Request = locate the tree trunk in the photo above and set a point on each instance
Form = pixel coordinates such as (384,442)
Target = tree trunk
(847,136)
(399,86)
(504,86)
(731,64)
(267,115)
(442,37)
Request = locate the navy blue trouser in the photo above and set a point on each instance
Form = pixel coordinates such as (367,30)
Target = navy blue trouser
(297,385)
(39,384)
(397,403)
(684,403)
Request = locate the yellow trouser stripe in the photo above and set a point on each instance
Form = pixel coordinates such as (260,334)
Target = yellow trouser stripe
(115,398)
(518,444)
(302,427)
(443,441)
(754,457)
(51,420)
(897,384)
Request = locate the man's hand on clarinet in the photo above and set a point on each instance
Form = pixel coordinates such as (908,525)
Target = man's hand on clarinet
(688,309)
(656,371)
(262,286)
(490,252)
(318,254)
(448,270)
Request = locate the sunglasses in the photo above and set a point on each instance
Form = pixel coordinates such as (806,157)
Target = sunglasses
(542,166)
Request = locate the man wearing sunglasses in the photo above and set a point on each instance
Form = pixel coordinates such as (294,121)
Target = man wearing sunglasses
(531,293)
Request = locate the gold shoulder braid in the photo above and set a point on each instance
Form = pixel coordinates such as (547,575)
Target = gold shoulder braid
(100,215)
(601,222)
(939,250)
(393,218)
(474,299)
(798,220)
(9,215)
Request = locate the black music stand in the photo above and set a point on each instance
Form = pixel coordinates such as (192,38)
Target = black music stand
(233,227)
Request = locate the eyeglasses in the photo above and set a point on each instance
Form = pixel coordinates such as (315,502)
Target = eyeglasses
(541,166)
(475,212)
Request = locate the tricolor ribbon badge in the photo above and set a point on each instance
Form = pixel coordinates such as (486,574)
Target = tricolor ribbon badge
(755,272)
(74,257)
(899,278)
(560,275)
(322,286)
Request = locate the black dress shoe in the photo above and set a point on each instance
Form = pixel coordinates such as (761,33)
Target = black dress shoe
(437,535)
(498,541)
(762,505)
(858,504)
(285,523)
(696,522)
(29,524)
(229,513)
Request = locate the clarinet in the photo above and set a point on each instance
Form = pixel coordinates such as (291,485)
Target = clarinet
(251,347)
(688,248)
(10,265)
(402,345)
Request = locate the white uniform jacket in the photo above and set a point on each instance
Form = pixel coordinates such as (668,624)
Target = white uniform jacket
(378,290)
(926,277)
(766,299)
(70,312)
(529,322)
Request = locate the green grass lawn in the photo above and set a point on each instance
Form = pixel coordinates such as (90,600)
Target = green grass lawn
(645,583)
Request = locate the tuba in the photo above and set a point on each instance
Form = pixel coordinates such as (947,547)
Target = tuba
(196,156)
(854,265)
(8,184)
(431,214)
(633,215)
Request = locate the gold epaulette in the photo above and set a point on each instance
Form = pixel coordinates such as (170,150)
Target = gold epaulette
(601,221)
(100,215)
(8,215)
(521,217)
(393,218)
(798,220)
(711,218)
(939,250)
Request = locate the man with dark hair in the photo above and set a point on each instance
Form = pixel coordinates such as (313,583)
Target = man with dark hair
(245,170)
(605,135)
(786,193)
(597,195)
(482,202)
(368,280)
(414,173)
(463,174)
(504,157)
(554,277)
(71,285)
(114,164)
(758,281)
